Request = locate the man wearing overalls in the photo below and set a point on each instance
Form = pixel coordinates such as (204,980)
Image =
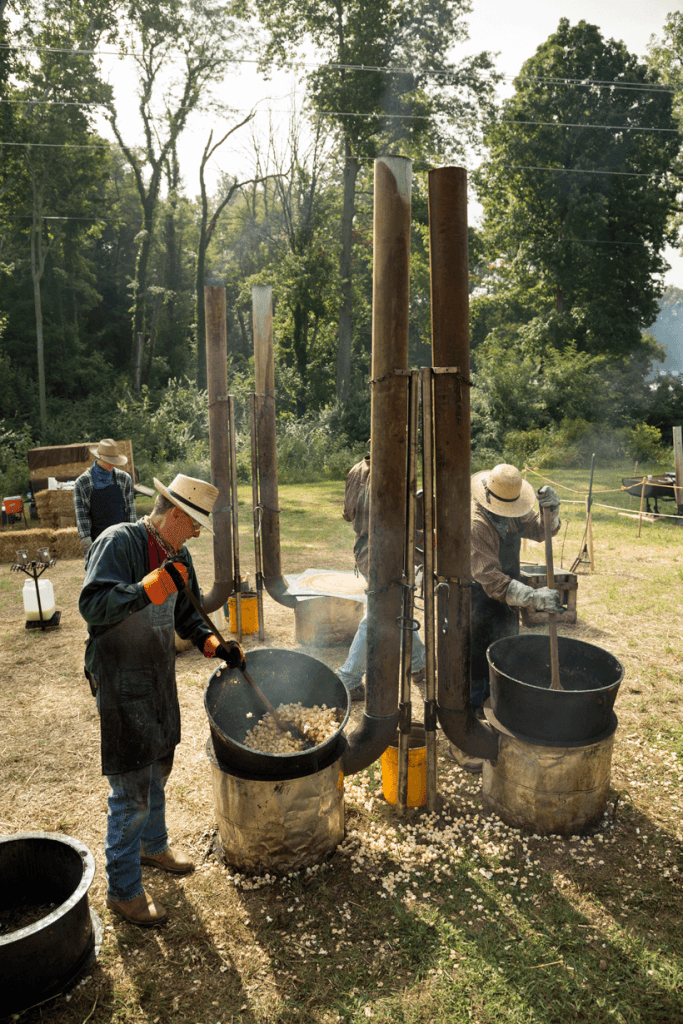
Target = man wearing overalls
(104,494)
(502,513)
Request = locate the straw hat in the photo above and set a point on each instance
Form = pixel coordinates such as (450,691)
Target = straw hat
(503,491)
(108,451)
(194,497)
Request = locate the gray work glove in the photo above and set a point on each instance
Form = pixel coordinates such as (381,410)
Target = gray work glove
(546,600)
(86,544)
(518,595)
(547,497)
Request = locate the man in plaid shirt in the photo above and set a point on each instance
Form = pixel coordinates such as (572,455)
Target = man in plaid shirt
(103,495)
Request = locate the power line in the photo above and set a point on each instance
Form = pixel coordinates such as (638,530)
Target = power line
(386,69)
(608,127)
(603,83)
(576,170)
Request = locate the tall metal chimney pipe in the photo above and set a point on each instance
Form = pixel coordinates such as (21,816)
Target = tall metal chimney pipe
(264,370)
(219,446)
(390,307)
(451,348)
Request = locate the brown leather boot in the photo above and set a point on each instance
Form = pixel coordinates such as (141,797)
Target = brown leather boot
(142,911)
(174,861)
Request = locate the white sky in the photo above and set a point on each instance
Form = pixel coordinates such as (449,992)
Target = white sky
(512,29)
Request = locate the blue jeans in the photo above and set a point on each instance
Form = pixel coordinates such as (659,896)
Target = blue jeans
(352,671)
(479,691)
(136,817)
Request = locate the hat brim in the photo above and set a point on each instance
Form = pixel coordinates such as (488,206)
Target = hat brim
(511,509)
(113,460)
(198,517)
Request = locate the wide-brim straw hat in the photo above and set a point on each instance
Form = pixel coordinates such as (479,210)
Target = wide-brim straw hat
(108,451)
(503,490)
(194,497)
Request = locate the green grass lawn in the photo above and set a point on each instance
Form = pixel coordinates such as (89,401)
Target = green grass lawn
(446,918)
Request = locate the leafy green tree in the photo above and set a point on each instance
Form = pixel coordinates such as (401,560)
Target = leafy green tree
(576,191)
(665,59)
(280,231)
(53,169)
(415,107)
(180,48)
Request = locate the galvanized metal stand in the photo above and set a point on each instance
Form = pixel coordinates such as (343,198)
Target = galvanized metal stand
(408,623)
(257,510)
(35,570)
(235,520)
(430,711)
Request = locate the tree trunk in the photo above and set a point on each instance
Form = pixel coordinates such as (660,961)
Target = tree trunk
(37,268)
(40,351)
(200,317)
(345,305)
(141,266)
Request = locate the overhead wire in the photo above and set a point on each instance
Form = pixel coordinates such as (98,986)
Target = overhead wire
(386,69)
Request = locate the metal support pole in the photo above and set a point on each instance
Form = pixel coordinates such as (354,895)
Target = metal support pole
(390,313)
(390,308)
(219,434)
(237,575)
(264,369)
(408,622)
(678,463)
(428,584)
(257,513)
(449,273)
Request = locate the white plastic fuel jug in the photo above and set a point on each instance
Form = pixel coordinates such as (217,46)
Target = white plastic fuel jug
(47,600)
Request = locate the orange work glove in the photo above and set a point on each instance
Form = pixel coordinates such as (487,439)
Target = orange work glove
(165,581)
(231,653)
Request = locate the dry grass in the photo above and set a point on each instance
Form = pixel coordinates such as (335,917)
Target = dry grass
(408,935)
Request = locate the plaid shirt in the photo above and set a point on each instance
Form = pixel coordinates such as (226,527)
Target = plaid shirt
(486,568)
(83,489)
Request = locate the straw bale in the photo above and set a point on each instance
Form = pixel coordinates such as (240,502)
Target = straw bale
(65,543)
(67,462)
(23,540)
(52,504)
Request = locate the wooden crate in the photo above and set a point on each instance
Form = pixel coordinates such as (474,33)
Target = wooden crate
(67,461)
(325,620)
(566,583)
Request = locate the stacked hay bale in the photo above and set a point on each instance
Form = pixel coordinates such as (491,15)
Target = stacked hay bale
(55,505)
(60,543)
(24,540)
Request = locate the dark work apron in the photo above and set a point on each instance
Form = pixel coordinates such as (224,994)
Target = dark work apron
(492,620)
(107,508)
(139,710)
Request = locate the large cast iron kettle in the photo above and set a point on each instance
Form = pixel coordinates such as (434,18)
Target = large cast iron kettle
(285,677)
(521,698)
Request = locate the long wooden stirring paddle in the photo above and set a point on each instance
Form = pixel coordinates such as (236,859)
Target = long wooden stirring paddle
(283,724)
(555,683)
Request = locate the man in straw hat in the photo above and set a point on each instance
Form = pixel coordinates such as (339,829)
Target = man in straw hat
(104,494)
(356,510)
(502,513)
(133,601)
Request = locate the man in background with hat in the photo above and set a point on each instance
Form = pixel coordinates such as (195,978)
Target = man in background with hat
(133,602)
(104,494)
(356,510)
(502,513)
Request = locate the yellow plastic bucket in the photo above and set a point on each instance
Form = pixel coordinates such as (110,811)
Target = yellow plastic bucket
(417,769)
(249,613)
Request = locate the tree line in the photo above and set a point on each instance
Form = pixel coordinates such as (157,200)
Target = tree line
(106,245)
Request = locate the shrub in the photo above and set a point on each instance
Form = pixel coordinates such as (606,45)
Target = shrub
(14,472)
(644,443)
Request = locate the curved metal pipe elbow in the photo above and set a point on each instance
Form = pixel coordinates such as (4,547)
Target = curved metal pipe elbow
(217,596)
(278,589)
(469,733)
(368,742)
